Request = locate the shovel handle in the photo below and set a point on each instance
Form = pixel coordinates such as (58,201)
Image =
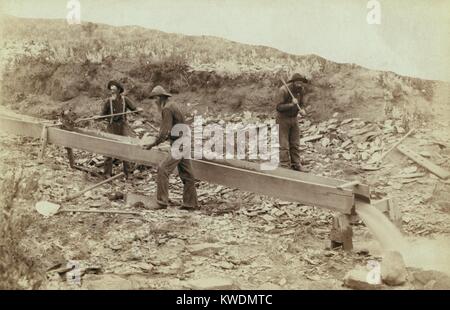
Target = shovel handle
(94,186)
(101,211)
(395,145)
(106,116)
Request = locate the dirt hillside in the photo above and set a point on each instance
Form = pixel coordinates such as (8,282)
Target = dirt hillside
(48,64)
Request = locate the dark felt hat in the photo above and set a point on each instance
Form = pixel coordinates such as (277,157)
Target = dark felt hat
(297,77)
(117,84)
(159,91)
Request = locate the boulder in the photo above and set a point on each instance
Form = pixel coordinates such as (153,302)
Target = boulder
(430,280)
(393,269)
(358,279)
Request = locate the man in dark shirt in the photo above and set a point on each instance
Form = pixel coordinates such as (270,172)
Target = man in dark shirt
(117,125)
(171,116)
(289,131)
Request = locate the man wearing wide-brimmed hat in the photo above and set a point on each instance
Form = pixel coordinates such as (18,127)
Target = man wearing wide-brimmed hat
(171,116)
(117,103)
(288,109)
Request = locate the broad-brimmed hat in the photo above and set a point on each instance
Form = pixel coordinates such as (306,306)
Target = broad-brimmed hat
(159,91)
(117,84)
(297,77)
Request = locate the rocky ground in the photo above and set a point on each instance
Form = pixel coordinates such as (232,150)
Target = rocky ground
(237,239)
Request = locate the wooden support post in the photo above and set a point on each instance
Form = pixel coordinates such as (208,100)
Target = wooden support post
(341,232)
(70,156)
(44,140)
(81,168)
(389,207)
(394,213)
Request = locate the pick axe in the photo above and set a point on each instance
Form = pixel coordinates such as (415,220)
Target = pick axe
(292,95)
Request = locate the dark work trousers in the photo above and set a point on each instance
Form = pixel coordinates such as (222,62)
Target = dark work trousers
(289,135)
(120,128)
(186,175)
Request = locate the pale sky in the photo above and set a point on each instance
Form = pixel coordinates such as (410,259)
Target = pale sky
(412,39)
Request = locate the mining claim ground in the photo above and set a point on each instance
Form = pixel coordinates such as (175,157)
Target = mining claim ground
(237,239)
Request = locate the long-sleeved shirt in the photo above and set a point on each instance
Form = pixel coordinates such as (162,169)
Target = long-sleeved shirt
(171,115)
(284,105)
(120,105)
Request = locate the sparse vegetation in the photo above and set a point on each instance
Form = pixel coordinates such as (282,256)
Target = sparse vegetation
(16,270)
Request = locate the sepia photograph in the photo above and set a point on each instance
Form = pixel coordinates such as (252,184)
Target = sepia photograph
(242,147)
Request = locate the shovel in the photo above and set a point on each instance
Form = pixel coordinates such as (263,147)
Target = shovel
(377,165)
(47,208)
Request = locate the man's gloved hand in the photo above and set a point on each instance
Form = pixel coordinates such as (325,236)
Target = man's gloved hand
(295,101)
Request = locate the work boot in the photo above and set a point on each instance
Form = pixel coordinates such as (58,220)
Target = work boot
(154,205)
(299,168)
(188,208)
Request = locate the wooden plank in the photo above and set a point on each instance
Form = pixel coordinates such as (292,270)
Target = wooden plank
(275,186)
(32,127)
(133,152)
(121,150)
(109,136)
(20,127)
(409,175)
(263,183)
(362,189)
(440,172)
(253,181)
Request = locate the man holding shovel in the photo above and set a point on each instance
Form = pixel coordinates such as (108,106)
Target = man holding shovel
(116,104)
(289,100)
